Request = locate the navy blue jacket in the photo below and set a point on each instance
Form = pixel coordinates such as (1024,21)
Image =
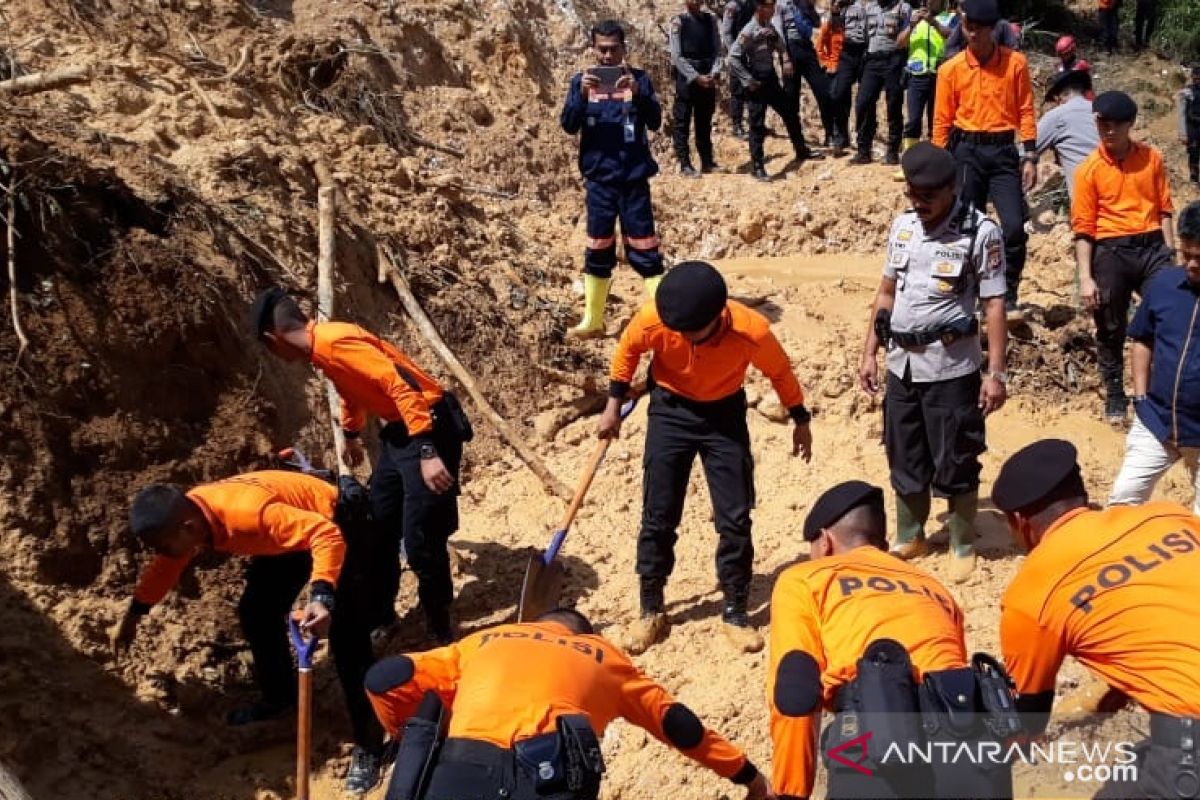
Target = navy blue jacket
(1166,320)
(604,155)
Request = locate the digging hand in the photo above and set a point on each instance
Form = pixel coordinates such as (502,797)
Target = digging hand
(436,476)
(760,789)
(610,420)
(802,442)
(316,619)
(355,454)
(121,635)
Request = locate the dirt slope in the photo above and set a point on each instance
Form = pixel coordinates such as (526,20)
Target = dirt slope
(156,199)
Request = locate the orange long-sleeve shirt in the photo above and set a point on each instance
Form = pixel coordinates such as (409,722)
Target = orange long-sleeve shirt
(259,514)
(830,40)
(1116,590)
(366,372)
(1120,198)
(710,371)
(512,682)
(984,98)
(824,613)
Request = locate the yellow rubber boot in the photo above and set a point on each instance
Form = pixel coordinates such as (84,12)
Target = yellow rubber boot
(595,294)
(898,175)
(651,285)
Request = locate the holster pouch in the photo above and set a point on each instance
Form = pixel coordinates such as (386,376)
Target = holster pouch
(883,326)
(997,697)
(417,755)
(352,513)
(886,695)
(948,703)
(460,423)
(581,751)
(541,757)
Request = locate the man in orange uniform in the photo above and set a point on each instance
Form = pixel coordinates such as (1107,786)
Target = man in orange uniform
(1121,214)
(829,611)
(1114,589)
(285,522)
(414,489)
(513,688)
(984,101)
(702,344)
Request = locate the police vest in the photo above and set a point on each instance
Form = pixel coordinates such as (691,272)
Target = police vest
(925,48)
(696,39)
(884,25)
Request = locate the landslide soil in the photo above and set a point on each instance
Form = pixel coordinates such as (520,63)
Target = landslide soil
(153,202)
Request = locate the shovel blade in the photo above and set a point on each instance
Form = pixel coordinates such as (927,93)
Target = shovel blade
(541,589)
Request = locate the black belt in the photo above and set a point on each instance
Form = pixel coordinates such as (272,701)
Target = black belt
(947,335)
(737,400)
(979,137)
(1148,239)
(473,751)
(1178,732)
(396,433)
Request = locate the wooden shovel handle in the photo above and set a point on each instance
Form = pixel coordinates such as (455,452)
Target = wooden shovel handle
(585,483)
(303,734)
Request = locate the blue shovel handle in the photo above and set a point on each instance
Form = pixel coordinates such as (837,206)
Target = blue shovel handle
(560,535)
(304,646)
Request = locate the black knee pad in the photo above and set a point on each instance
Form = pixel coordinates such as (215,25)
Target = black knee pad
(797,684)
(388,674)
(682,727)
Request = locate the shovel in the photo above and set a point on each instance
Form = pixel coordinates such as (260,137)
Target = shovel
(542,586)
(304,653)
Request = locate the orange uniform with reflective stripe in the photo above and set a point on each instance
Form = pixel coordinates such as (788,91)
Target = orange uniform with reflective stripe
(1120,198)
(259,514)
(365,371)
(710,371)
(831,609)
(1115,590)
(512,682)
(984,98)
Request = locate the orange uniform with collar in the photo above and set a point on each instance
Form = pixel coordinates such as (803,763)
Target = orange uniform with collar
(367,373)
(710,371)
(824,613)
(1116,590)
(1120,198)
(984,98)
(259,514)
(512,682)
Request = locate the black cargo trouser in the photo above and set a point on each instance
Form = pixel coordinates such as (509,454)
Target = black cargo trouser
(770,94)
(1193,150)
(933,434)
(467,769)
(272,584)
(1120,267)
(807,67)
(1110,24)
(737,102)
(993,172)
(1144,21)
(401,502)
(677,432)
(692,100)
(921,93)
(841,89)
(882,73)
(1166,763)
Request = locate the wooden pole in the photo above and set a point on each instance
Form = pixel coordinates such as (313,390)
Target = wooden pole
(11,219)
(431,335)
(326,232)
(303,732)
(45,81)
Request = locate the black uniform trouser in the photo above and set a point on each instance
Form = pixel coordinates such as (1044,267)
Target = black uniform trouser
(1110,22)
(920,95)
(737,102)
(693,101)
(1144,20)
(1193,151)
(473,770)
(807,67)
(771,95)
(993,172)
(882,73)
(1166,763)
(841,89)
(933,434)
(1121,267)
(401,502)
(677,432)
(272,584)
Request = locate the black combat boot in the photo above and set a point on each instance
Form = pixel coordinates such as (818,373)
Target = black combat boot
(651,624)
(737,628)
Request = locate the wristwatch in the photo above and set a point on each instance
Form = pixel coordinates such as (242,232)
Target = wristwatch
(324,598)
(427,451)
(1002,377)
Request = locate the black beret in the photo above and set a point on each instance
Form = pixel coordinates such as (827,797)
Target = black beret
(690,296)
(1033,472)
(1115,106)
(156,507)
(1078,79)
(927,166)
(984,12)
(263,308)
(837,502)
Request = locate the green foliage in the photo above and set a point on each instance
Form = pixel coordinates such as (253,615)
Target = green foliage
(1178,34)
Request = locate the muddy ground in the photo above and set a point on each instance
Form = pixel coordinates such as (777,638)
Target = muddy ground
(153,201)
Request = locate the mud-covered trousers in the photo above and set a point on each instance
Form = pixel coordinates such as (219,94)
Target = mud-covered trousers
(630,203)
